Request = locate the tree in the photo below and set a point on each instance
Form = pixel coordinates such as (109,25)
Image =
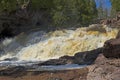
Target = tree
(61,12)
(7,5)
(74,11)
(115,7)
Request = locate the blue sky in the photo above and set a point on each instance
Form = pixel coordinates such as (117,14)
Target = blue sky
(106,3)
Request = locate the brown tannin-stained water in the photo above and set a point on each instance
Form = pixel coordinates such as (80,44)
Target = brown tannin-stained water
(41,46)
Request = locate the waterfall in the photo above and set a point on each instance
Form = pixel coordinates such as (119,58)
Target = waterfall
(42,46)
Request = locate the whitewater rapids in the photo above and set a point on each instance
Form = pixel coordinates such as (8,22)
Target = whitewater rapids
(41,46)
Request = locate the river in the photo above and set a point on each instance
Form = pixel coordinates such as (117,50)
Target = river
(41,46)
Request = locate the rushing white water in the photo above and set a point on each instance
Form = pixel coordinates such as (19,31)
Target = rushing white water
(43,46)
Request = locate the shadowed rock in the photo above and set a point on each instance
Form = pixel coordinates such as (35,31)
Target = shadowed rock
(61,61)
(7,31)
(14,71)
(86,57)
(112,48)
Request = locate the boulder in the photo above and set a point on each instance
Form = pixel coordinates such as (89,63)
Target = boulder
(87,57)
(112,48)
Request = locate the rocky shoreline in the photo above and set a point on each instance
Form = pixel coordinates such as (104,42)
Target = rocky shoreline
(102,69)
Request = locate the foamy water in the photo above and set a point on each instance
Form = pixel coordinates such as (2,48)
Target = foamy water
(42,46)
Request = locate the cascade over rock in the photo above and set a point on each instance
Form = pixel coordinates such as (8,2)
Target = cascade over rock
(42,46)
(76,49)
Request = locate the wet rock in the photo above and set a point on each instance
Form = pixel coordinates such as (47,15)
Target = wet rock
(11,59)
(112,48)
(61,61)
(13,71)
(86,57)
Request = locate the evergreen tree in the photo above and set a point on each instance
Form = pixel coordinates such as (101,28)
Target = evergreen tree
(8,5)
(61,12)
(74,11)
(115,7)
